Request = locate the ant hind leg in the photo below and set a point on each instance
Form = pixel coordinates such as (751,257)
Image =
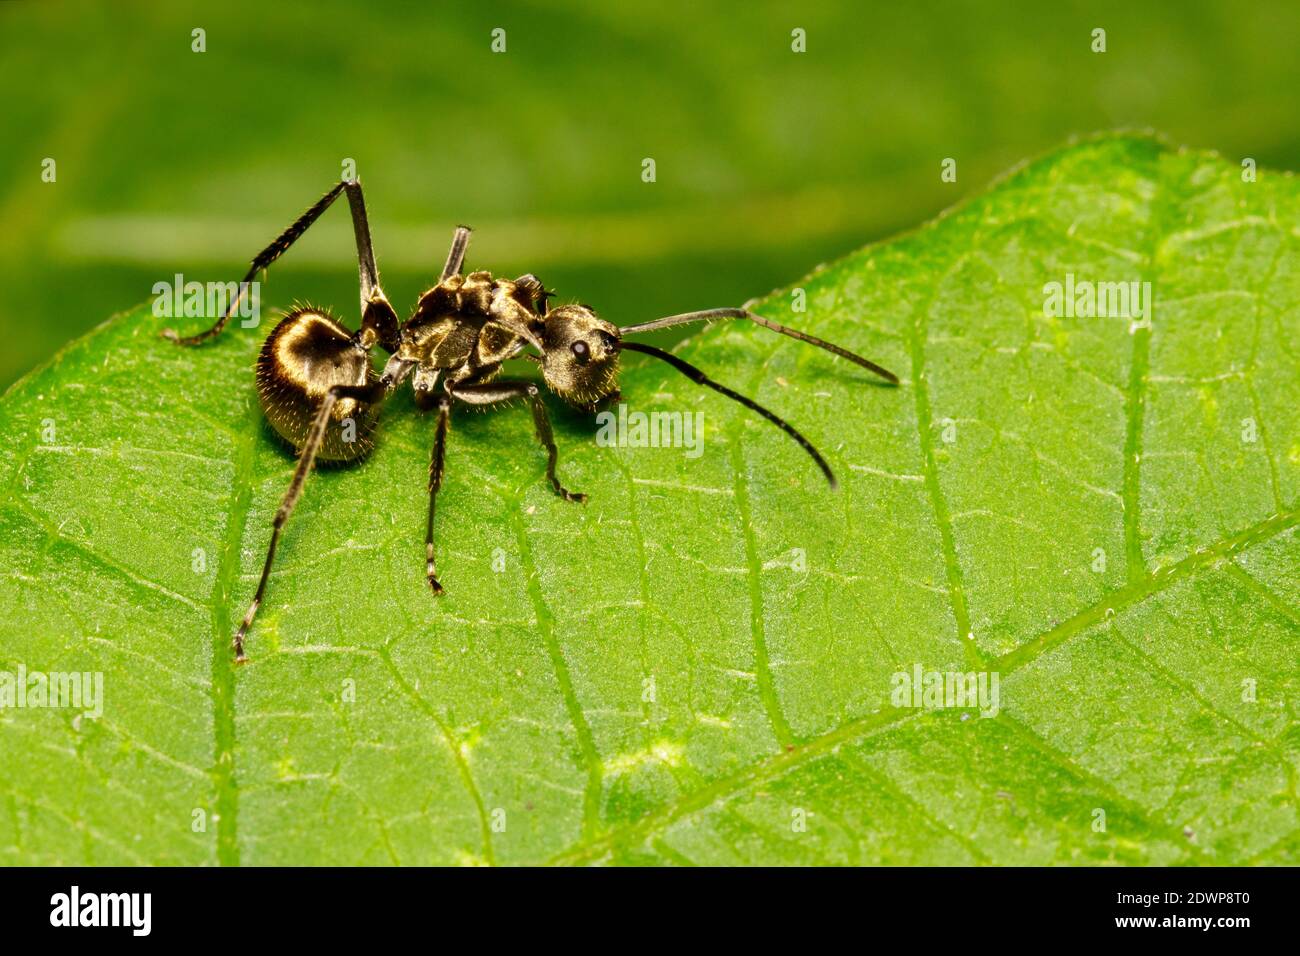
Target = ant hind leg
(306,458)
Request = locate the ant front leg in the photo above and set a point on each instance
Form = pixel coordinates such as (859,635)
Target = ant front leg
(494,393)
(379,321)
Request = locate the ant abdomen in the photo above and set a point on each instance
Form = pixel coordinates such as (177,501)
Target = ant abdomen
(309,353)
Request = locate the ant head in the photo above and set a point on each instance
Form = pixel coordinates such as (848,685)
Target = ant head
(581,360)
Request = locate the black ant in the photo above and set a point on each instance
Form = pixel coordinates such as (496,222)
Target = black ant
(320,393)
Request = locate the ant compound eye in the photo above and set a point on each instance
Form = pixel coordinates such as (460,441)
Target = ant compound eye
(580,351)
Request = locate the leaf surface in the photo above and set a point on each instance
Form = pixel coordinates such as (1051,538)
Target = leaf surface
(697,665)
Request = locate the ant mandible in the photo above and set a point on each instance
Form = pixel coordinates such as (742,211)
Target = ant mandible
(314,374)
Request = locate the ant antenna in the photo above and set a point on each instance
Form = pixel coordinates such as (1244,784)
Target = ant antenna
(707,315)
(699,378)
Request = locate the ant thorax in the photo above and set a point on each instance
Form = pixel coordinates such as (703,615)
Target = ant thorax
(467,325)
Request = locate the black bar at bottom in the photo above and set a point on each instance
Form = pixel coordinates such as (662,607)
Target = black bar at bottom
(945,906)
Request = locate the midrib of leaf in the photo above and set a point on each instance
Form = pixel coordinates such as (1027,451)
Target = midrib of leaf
(916,335)
(753,577)
(643,577)
(863,728)
(767,690)
(1152,583)
(546,625)
(223,666)
(771,768)
(1136,402)
(1135,398)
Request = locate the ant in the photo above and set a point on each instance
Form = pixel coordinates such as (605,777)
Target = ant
(314,376)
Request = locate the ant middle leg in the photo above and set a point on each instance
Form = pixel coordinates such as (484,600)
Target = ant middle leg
(494,393)
(437,467)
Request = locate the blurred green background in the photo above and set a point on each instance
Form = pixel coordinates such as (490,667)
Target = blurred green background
(768,162)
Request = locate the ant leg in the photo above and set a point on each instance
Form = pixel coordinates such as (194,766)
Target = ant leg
(532,286)
(377,314)
(708,315)
(456,257)
(306,458)
(436,468)
(507,312)
(493,393)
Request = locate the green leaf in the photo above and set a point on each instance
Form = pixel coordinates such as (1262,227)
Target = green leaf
(697,665)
